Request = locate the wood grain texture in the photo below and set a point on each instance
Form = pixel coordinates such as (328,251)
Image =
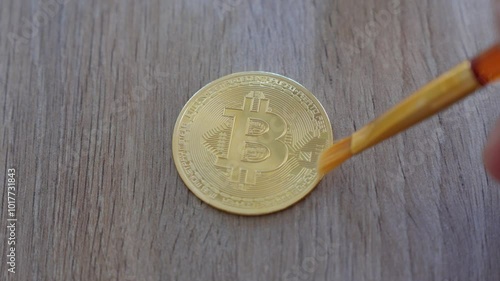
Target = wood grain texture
(88,100)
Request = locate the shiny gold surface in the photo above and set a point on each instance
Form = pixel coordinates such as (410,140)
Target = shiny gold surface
(248,143)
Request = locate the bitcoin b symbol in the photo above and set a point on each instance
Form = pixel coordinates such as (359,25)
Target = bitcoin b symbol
(254,143)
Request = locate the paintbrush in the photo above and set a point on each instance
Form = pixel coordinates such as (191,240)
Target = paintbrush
(452,86)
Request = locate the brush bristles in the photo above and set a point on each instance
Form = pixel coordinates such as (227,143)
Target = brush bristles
(335,155)
(486,66)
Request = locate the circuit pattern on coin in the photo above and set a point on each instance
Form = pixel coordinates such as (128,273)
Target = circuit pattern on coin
(248,143)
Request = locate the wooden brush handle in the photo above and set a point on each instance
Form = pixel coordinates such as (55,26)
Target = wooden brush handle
(434,97)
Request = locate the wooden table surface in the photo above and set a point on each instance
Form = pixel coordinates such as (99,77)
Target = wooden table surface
(90,91)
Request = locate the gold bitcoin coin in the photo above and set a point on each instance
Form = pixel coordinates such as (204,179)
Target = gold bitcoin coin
(248,143)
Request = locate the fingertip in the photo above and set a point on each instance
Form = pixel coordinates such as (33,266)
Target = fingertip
(492,153)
